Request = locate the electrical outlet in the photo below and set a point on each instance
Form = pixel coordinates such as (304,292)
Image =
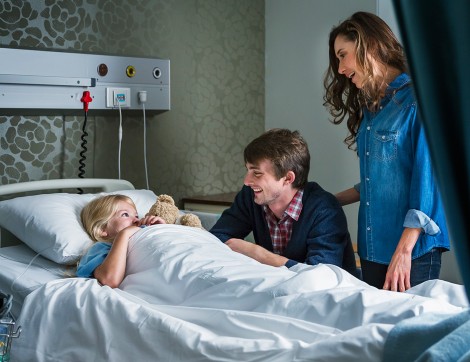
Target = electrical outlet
(116,97)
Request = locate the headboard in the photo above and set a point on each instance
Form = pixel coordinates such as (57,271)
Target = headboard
(105,185)
(57,185)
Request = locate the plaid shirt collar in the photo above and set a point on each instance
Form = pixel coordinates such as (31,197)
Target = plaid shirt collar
(295,207)
(280,231)
(293,210)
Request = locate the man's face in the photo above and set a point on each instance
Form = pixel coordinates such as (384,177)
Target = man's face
(266,187)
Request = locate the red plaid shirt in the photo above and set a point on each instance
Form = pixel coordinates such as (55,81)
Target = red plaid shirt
(281,230)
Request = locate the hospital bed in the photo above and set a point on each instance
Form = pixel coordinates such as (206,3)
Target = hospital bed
(186,296)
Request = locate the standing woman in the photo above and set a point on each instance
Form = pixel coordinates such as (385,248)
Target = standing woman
(402,229)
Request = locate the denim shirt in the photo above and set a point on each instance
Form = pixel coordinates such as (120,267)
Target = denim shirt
(397,187)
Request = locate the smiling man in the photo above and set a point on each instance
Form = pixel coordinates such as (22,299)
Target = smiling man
(292,220)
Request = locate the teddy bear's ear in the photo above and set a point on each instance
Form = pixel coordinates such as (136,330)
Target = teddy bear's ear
(191,220)
(166,198)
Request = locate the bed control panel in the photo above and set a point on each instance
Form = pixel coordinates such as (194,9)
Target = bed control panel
(55,80)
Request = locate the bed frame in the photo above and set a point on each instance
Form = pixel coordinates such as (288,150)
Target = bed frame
(106,185)
(200,321)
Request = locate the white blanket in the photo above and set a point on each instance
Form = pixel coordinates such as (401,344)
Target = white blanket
(187,297)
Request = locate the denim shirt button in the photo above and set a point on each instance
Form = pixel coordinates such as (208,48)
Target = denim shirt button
(368,128)
(368,228)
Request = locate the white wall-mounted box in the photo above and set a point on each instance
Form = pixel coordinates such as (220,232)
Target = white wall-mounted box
(39,80)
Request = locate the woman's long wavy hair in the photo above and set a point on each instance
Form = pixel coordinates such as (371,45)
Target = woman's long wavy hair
(375,44)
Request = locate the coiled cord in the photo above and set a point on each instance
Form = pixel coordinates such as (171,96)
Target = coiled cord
(86,99)
(81,161)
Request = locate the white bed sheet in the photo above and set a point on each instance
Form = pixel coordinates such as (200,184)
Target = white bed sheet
(187,297)
(23,271)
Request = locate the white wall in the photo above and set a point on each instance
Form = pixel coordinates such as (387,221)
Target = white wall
(296,61)
(386,11)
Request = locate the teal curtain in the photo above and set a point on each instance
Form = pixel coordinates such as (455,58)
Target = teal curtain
(436,38)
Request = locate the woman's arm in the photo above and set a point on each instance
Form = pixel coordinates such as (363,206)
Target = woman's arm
(111,271)
(348,196)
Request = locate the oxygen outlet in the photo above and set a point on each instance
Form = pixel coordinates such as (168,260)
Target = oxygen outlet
(157,73)
(102,69)
(130,71)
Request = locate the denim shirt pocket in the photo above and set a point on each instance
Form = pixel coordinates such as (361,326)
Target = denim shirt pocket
(384,145)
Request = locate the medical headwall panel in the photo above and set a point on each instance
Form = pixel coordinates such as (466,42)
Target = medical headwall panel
(55,80)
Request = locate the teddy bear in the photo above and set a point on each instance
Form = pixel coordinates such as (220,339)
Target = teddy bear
(165,208)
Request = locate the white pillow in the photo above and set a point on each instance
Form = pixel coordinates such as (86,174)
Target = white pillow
(50,223)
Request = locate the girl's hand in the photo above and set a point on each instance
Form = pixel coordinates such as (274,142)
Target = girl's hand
(151,220)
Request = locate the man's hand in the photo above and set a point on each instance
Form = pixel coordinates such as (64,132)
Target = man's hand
(256,252)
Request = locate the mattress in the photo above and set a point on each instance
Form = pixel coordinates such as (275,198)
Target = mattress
(23,271)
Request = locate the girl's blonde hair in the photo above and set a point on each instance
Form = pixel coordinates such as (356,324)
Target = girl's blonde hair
(96,214)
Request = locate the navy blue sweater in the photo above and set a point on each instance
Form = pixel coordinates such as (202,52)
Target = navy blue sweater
(319,236)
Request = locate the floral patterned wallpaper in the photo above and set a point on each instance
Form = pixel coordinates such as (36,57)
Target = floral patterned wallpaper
(216,50)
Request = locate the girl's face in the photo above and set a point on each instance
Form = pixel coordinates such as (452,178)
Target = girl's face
(126,215)
(345,51)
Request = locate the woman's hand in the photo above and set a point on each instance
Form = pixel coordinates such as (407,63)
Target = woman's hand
(398,273)
(399,269)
